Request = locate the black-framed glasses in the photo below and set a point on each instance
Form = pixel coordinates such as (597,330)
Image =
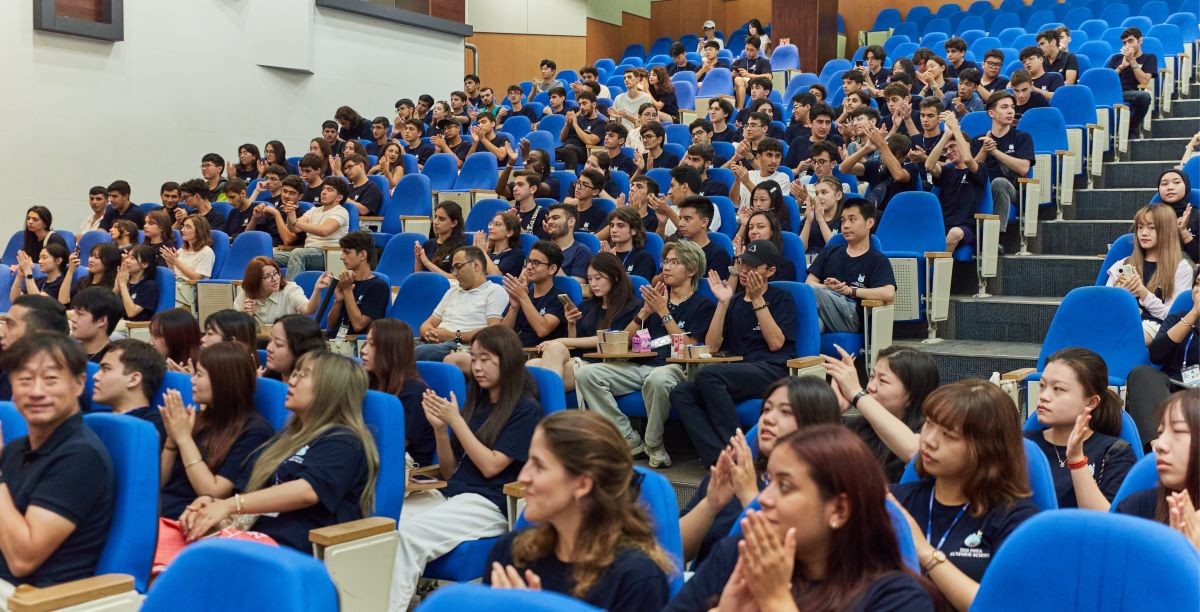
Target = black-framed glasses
(459,266)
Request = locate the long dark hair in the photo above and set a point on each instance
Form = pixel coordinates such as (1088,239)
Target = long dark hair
(59,252)
(865,547)
(515,383)
(772,221)
(235,326)
(232,407)
(1092,373)
(31,244)
(110,256)
(456,237)
(303,336)
(613,520)
(393,358)
(812,402)
(1188,402)
(178,329)
(280,153)
(252,149)
(621,295)
(775,192)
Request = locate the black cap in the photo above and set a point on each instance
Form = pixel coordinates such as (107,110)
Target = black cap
(761,252)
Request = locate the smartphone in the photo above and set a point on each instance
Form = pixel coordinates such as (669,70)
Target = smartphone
(422,479)
(858,63)
(566,301)
(1126,271)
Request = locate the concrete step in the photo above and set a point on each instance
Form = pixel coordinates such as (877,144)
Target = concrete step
(1148,149)
(1108,204)
(1132,174)
(1044,275)
(1090,237)
(1185,107)
(959,359)
(1175,127)
(999,318)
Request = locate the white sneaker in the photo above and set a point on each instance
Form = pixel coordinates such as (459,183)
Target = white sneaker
(636,445)
(658,457)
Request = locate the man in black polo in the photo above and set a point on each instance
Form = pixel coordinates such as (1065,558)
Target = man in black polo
(57,484)
(28,314)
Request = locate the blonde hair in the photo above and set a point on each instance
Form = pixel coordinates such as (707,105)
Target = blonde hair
(1167,248)
(338,395)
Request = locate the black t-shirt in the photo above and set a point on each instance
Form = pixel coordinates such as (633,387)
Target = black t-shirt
(893,465)
(952,71)
(883,186)
(512,441)
(236,222)
(1109,460)
(431,248)
(987,532)
(896,591)
(692,315)
(673,68)
(800,149)
(712,187)
(730,134)
(215,219)
(418,433)
(722,522)
(961,191)
(758,65)
(335,466)
(373,297)
(111,215)
(670,104)
(743,333)
(369,195)
(311,194)
(816,240)
(510,261)
(526,111)
(144,293)
(50,288)
(632,582)
(592,313)
(71,475)
(1142,503)
(867,271)
(638,262)
(531,221)
(362,129)
(593,126)
(622,162)
(796,130)
(154,417)
(1049,81)
(1064,62)
(178,491)
(1015,143)
(716,258)
(422,151)
(666,159)
(498,141)
(650,221)
(461,149)
(999,83)
(880,79)
(1171,355)
(591,220)
(1036,100)
(547,304)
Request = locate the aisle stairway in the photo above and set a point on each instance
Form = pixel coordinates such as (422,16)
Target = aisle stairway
(1004,332)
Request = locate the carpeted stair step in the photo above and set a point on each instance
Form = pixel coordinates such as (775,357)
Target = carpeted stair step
(1108,204)
(1080,237)
(999,318)
(1044,275)
(959,359)
(1137,174)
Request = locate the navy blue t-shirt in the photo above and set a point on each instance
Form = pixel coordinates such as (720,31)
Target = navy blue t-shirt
(531,220)
(722,522)
(638,262)
(666,160)
(526,111)
(896,591)
(1109,460)
(591,220)
(236,220)
(144,293)
(999,83)
(422,151)
(816,240)
(373,297)
(1015,144)
(151,415)
(883,187)
(335,466)
(1049,81)
(716,258)
(510,261)
(713,187)
(632,582)
(730,134)
(461,149)
(178,492)
(593,126)
(867,271)
(369,195)
(575,260)
(692,315)
(743,333)
(592,313)
(418,434)
(622,162)
(1036,100)
(513,442)
(758,65)
(71,475)
(961,191)
(547,304)
(987,532)
(952,72)
(1142,503)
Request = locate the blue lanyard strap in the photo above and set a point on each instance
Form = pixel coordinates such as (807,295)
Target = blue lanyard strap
(929,523)
(1183,360)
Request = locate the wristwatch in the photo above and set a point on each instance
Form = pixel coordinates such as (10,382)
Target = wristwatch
(857,396)
(667,318)
(936,558)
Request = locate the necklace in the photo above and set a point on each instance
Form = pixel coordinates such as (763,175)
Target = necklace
(1062,463)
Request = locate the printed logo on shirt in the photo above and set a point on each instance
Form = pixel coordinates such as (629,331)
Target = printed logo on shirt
(298,457)
(862,278)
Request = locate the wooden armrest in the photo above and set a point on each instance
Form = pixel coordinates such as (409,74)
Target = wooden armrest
(59,596)
(1018,375)
(328,248)
(287,247)
(1117,105)
(361,219)
(414,217)
(428,470)
(800,363)
(1023,180)
(352,530)
(937,255)
(137,325)
(1064,153)
(1095,126)
(515,489)
(873,303)
(983,217)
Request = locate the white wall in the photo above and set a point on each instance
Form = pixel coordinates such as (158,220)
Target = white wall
(186,81)
(549,17)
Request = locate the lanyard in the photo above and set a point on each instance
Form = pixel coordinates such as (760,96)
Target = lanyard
(1188,345)
(533,218)
(929,523)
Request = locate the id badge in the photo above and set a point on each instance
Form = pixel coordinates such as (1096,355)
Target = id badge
(342,331)
(1191,376)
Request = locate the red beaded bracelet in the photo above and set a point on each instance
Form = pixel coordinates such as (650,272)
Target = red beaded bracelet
(1077,465)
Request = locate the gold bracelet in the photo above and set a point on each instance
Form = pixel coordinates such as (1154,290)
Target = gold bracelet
(189,465)
(237,503)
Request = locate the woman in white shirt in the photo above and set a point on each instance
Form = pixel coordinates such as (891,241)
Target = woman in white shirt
(1157,272)
(191,262)
(266,295)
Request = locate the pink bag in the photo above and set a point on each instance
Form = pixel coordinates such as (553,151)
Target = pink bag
(171,541)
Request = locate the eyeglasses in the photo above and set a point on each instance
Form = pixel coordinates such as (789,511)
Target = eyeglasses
(992,64)
(583,185)
(299,374)
(272,273)
(533,263)
(821,161)
(672,262)
(459,266)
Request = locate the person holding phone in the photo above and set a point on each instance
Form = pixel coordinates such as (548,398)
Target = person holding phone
(745,68)
(1156,273)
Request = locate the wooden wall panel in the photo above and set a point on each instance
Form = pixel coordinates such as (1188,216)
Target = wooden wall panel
(452,10)
(609,40)
(86,10)
(507,59)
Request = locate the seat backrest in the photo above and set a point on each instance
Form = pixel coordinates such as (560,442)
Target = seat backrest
(1169,35)
(807,332)
(570,287)
(164,277)
(727,212)
(1183,303)
(478,171)
(785,57)
(6,279)
(1114,13)
(912,224)
(482,212)
(658,496)
(442,170)
(397,258)
(553,124)
(975,124)
(284,580)
(1105,85)
(1093,27)
(793,251)
(269,395)
(413,195)
(132,445)
(220,247)
(551,393)
(384,417)
(13,422)
(589,240)
(1087,309)
(86,242)
(419,295)
(1121,248)
(1047,128)
(1076,104)
(246,246)
(718,81)
(1116,562)
(1143,475)
(480,598)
